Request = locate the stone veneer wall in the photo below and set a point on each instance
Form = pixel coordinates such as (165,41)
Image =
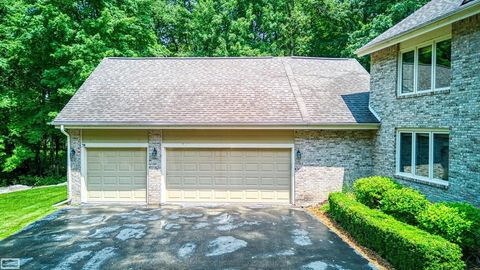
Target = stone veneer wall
(330,160)
(457,109)
(154,167)
(75,165)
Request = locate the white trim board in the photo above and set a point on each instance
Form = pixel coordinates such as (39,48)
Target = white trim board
(115,145)
(228,145)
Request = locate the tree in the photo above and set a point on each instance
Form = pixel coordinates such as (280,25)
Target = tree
(51,48)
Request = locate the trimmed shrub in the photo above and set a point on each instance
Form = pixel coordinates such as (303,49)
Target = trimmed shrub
(403,245)
(404,204)
(40,181)
(370,190)
(472,213)
(458,223)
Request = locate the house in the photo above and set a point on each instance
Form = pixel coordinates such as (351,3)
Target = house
(425,90)
(261,130)
(285,130)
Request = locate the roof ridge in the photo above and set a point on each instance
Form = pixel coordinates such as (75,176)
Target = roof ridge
(188,58)
(229,58)
(321,58)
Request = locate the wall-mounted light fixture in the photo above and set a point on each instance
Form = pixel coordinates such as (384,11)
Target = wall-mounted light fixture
(72,154)
(154,153)
(299,154)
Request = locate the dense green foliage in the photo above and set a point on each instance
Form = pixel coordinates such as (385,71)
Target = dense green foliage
(403,245)
(49,47)
(451,223)
(370,190)
(472,237)
(40,181)
(404,204)
(21,208)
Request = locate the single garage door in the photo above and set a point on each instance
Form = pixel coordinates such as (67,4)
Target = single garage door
(228,175)
(116,175)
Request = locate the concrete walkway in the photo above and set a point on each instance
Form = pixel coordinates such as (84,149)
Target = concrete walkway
(174,237)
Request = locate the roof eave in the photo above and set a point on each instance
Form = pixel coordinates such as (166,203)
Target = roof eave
(448,18)
(132,125)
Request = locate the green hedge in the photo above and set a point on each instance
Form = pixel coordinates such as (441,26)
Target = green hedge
(405,204)
(471,213)
(403,245)
(458,223)
(370,190)
(40,181)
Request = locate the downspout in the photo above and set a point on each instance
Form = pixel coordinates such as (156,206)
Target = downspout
(69,177)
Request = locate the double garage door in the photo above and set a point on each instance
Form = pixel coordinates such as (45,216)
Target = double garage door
(192,175)
(228,175)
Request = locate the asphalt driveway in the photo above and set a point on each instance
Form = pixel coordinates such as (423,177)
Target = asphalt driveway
(175,237)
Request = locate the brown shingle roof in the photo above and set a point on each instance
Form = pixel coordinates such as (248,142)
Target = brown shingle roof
(221,91)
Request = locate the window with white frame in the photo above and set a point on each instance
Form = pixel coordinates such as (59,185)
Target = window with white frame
(426,67)
(423,154)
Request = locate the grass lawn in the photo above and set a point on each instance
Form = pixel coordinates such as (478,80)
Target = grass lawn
(20,208)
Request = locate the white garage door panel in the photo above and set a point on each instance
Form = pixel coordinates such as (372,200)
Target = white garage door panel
(116,175)
(228,175)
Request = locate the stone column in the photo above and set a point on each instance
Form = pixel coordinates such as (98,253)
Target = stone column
(155,178)
(75,165)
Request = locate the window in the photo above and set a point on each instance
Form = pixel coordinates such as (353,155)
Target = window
(425,68)
(422,160)
(423,154)
(408,60)
(443,64)
(406,152)
(440,156)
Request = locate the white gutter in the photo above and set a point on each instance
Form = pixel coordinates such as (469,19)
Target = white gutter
(69,177)
(219,126)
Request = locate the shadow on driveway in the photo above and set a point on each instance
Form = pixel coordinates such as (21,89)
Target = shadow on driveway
(174,237)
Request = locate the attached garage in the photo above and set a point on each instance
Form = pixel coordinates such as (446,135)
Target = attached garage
(228,175)
(215,130)
(116,175)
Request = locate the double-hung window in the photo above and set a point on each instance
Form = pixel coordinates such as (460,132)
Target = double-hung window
(426,67)
(423,154)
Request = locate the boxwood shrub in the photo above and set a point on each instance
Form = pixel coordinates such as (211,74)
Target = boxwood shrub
(456,222)
(370,190)
(404,204)
(471,213)
(403,245)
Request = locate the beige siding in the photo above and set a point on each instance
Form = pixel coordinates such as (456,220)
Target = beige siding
(228,136)
(229,175)
(116,175)
(114,136)
(447,30)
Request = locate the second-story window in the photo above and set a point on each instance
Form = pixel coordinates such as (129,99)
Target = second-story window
(427,67)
